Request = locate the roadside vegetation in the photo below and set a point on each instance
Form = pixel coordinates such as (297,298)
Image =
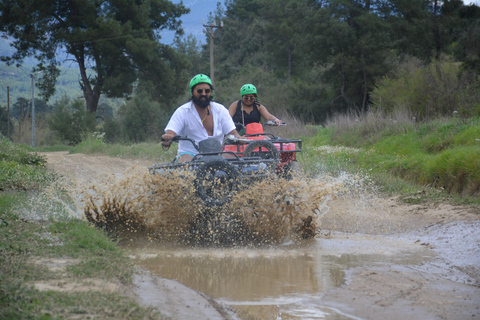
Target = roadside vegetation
(55,254)
(436,159)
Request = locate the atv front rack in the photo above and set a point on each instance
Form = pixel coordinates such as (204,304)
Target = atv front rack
(282,142)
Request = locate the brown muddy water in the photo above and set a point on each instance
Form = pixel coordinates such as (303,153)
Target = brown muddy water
(283,281)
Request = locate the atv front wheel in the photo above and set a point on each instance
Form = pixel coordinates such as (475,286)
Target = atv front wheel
(216,182)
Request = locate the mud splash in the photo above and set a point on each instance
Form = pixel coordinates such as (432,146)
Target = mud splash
(167,208)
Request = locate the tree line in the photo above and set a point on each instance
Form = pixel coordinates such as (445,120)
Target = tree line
(335,52)
(309,58)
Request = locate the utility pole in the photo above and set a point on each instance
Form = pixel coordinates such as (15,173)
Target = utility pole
(213,33)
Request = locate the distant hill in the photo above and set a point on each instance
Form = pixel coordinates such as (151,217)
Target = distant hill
(20,83)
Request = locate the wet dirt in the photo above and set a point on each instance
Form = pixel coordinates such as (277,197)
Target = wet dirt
(373,258)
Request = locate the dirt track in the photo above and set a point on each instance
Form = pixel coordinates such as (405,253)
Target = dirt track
(448,287)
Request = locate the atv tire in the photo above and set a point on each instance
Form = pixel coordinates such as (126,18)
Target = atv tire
(266,150)
(216,181)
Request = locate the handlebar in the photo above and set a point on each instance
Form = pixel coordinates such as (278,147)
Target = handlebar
(272,123)
(177,138)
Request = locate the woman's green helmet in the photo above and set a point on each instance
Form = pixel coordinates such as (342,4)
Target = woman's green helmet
(200,78)
(248,89)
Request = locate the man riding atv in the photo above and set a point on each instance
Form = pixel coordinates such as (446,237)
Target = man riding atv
(199,119)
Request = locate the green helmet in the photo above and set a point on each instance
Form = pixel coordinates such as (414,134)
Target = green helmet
(200,78)
(248,89)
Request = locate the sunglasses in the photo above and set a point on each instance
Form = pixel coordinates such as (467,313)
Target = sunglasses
(207,91)
(248,97)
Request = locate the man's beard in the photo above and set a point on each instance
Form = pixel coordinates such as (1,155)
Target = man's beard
(202,103)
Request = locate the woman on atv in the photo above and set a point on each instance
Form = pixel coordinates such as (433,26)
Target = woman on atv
(248,110)
(198,119)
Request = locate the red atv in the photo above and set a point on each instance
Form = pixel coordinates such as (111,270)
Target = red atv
(268,146)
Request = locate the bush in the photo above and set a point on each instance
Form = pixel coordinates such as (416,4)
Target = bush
(436,90)
(141,119)
(111,127)
(71,121)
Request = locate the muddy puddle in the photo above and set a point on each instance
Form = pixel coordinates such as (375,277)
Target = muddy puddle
(275,282)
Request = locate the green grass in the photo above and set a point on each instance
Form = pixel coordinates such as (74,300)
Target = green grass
(23,242)
(21,169)
(440,155)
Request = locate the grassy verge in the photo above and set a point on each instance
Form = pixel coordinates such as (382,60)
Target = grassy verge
(439,158)
(57,268)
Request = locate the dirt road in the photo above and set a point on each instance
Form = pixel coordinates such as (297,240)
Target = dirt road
(447,287)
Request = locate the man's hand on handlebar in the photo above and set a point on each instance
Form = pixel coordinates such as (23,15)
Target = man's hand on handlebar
(166,140)
(236,139)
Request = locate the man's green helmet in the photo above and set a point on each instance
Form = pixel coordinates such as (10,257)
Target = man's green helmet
(200,78)
(248,89)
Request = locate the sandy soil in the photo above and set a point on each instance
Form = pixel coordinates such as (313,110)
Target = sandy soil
(448,287)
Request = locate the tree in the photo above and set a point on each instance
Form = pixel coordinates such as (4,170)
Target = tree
(22,107)
(71,121)
(117,39)
(353,39)
(285,28)
(4,122)
(141,118)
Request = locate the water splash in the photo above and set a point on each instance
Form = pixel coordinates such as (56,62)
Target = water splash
(167,208)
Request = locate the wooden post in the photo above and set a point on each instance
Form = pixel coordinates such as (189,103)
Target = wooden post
(212,34)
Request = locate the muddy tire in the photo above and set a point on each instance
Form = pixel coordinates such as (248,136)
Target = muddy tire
(266,150)
(216,181)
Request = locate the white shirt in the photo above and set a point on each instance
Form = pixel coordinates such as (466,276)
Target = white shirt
(186,122)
